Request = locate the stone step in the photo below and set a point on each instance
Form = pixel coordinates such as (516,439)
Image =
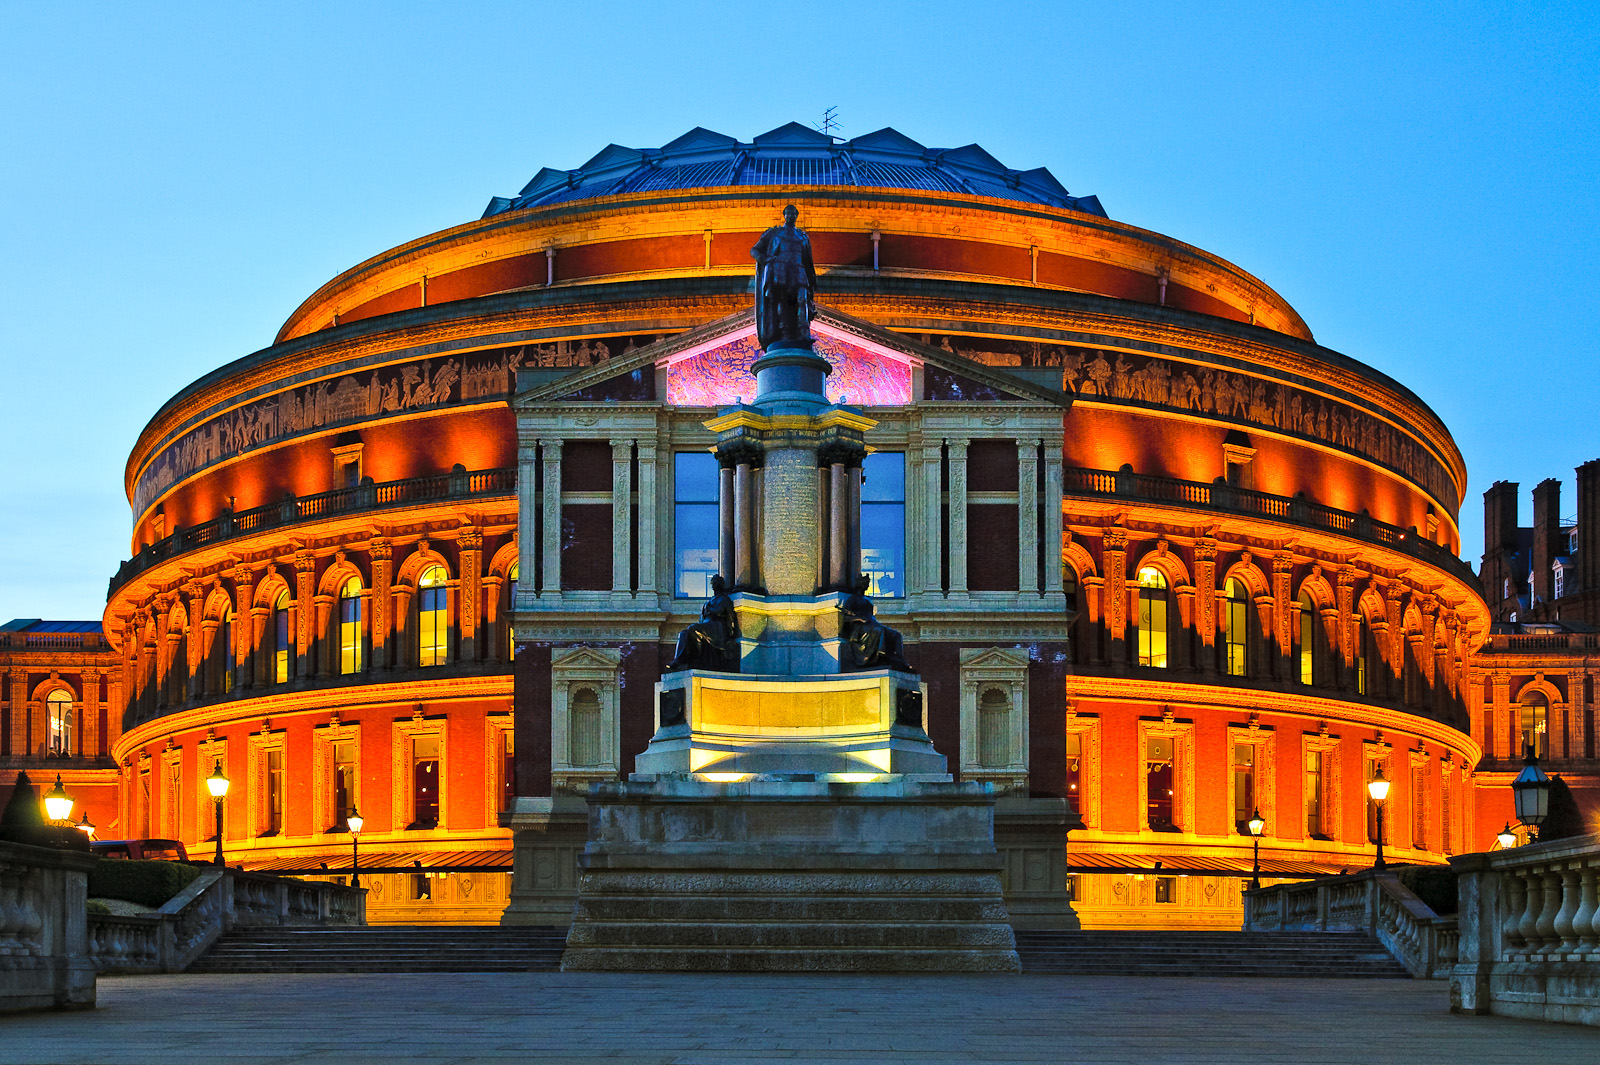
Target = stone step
(1155,953)
(896,959)
(388,948)
(788,908)
(786,935)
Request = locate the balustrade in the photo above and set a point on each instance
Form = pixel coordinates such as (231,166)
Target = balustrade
(1530,932)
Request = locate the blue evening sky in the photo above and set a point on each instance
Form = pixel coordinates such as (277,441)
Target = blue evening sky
(1419,181)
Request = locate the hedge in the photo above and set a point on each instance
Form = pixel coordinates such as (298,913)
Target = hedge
(147,883)
(1435,885)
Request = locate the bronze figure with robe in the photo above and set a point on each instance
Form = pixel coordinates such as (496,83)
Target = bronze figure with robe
(713,641)
(786,279)
(866,642)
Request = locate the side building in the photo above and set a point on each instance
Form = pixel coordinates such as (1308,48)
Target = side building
(1532,683)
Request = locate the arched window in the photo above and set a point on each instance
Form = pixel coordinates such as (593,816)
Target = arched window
(994,728)
(58,714)
(1535,724)
(432,617)
(350,626)
(585,724)
(1307,634)
(280,645)
(511,604)
(1235,625)
(1152,618)
(1069,585)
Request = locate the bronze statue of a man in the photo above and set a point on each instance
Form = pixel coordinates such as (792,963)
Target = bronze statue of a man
(785,282)
(868,643)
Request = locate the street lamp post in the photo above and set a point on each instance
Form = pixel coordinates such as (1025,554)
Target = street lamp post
(217,784)
(355,821)
(1378,788)
(1531,791)
(58,804)
(1256,824)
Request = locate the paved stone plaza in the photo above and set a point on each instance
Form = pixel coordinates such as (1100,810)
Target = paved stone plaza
(686,1019)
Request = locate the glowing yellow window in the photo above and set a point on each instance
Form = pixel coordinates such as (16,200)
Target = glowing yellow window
(433,628)
(1152,618)
(350,626)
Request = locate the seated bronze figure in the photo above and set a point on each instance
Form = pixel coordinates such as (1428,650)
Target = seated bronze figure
(712,642)
(865,642)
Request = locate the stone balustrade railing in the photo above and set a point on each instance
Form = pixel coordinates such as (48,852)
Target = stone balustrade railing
(1424,942)
(44,948)
(171,938)
(1530,932)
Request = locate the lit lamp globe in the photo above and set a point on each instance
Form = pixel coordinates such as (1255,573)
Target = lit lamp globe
(1378,788)
(355,821)
(1256,824)
(1506,837)
(217,783)
(1531,790)
(57,803)
(85,826)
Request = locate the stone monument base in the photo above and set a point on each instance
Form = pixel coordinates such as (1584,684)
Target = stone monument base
(773,875)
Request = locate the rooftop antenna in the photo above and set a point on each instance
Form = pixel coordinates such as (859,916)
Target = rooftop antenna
(830,121)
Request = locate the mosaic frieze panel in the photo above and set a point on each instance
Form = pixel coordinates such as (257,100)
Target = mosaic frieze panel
(424,383)
(720,375)
(1144,380)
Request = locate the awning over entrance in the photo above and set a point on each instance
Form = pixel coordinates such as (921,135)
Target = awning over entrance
(336,862)
(1180,864)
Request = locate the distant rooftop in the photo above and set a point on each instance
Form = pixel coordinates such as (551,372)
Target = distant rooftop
(794,155)
(36,625)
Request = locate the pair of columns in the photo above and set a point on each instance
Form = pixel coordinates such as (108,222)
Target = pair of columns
(544,497)
(1033,534)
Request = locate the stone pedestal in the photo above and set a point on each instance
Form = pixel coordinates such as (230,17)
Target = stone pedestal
(547,837)
(782,875)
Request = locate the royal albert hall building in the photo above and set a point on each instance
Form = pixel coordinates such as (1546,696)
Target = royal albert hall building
(1153,551)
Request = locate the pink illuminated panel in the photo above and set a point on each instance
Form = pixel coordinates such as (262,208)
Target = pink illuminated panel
(718,375)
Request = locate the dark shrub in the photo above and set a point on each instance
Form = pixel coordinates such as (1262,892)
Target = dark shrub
(147,883)
(96,906)
(1435,885)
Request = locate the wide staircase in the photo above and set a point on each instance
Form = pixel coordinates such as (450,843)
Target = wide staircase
(386,949)
(1152,953)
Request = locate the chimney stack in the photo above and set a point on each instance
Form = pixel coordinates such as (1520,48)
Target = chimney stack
(1589,526)
(1499,540)
(1546,537)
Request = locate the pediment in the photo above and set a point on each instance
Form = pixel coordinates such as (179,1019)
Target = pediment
(709,366)
(993,658)
(573,659)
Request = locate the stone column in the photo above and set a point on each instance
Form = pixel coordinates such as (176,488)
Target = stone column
(958,517)
(727,520)
(852,526)
(114,702)
(381,622)
(89,720)
(195,645)
(327,630)
(1028,517)
(19,714)
(1348,626)
(163,656)
(1283,614)
(1114,596)
(743,527)
(932,519)
(621,517)
(647,516)
(306,607)
(1050,532)
(243,627)
(469,599)
(838,526)
(791,547)
(1395,680)
(1205,601)
(527,511)
(550,515)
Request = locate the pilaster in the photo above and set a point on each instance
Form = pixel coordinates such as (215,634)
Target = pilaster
(958,517)
(647,516)
(1028,517)
(1114,594)
(550,518)
(621,517)
(469,600)
(381,552)
(305,598)
(932,525)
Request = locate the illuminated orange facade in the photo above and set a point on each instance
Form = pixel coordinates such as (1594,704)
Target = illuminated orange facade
(1251,596)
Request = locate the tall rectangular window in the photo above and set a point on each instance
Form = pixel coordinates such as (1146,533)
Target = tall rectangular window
(883,523)
(280,646)
(1075,770)
(1244,785)
(508,769)
(1363,651)
(350,627)
(1372,806)
(1315,827)
(1307,640)
(425,782)
(169,801)
(1159,779)
(694,523)
(1419,807)
(433,616)
(274,796)
(1235,624)
(225,634)
(344,783)
(1152,618)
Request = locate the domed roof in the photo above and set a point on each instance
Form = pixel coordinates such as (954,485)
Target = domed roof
(794,155)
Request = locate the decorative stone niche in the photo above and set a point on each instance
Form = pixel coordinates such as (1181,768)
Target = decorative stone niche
(585,722)
(994,716)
